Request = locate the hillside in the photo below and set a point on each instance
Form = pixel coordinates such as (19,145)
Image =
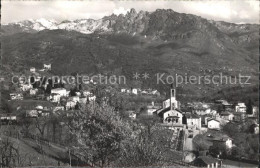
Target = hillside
(163,41)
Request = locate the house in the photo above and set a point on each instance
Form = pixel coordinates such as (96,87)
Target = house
(254,129)
(39,108)
(205,118)
(207,161)
(38,78)
(155,92)
(83,100)
(31,113)
(240,108)
(54,97)
(239,117)
(78,93)
(74,98)
(57,108)
(144,92)
(227,116)
(135,91)
(44,113)
(26,87)
(86,93)
(255,112)
(41,70)
(131,114)
(59,91)
(92,98)
(33,91)
(192,120)
(223,140)
(16,96)
(47,66)
(202,110)
(8,119)
(213,124)
(40,97)
(224,103)
(205,105)
(152,108)
(70,105)
(67,93)
(32,69)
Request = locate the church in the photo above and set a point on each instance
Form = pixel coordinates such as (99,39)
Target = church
(170,111)
(172,116)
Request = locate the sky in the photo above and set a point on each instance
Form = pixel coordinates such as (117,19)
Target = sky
(235,11)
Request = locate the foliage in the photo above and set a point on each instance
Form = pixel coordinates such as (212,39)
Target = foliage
(249,107)
(231,129)
(200,143)
(246,143)
(219,149)
(99,132)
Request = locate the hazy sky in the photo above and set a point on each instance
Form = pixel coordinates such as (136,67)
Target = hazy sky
(236,11)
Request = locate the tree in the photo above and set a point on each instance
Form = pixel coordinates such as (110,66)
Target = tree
(231,129)
(140,151)
(99,132)
(200,143)
(9,154)
(41,123)
(236,152)
(219,149)
(249,107)
(148,121)
(73,92)
(48,89)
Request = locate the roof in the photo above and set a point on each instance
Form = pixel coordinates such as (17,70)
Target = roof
(216,136)
(225,113)
(207,159)
(254,125)
(166,109)
(153,107)
(226,104)
(212,120)
(222,138)
(54,94)
(58,89)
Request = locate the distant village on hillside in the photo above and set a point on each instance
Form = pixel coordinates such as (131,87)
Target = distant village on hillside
(201,131)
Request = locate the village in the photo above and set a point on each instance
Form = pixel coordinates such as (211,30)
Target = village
(199,129)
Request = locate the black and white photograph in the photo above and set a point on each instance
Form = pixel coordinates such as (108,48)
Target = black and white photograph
(129,83)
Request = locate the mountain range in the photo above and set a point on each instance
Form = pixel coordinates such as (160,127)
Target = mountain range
(160,41)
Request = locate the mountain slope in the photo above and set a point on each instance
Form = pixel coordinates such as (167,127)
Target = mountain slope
(157,42)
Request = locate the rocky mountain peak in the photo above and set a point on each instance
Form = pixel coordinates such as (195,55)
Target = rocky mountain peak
(132,11)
